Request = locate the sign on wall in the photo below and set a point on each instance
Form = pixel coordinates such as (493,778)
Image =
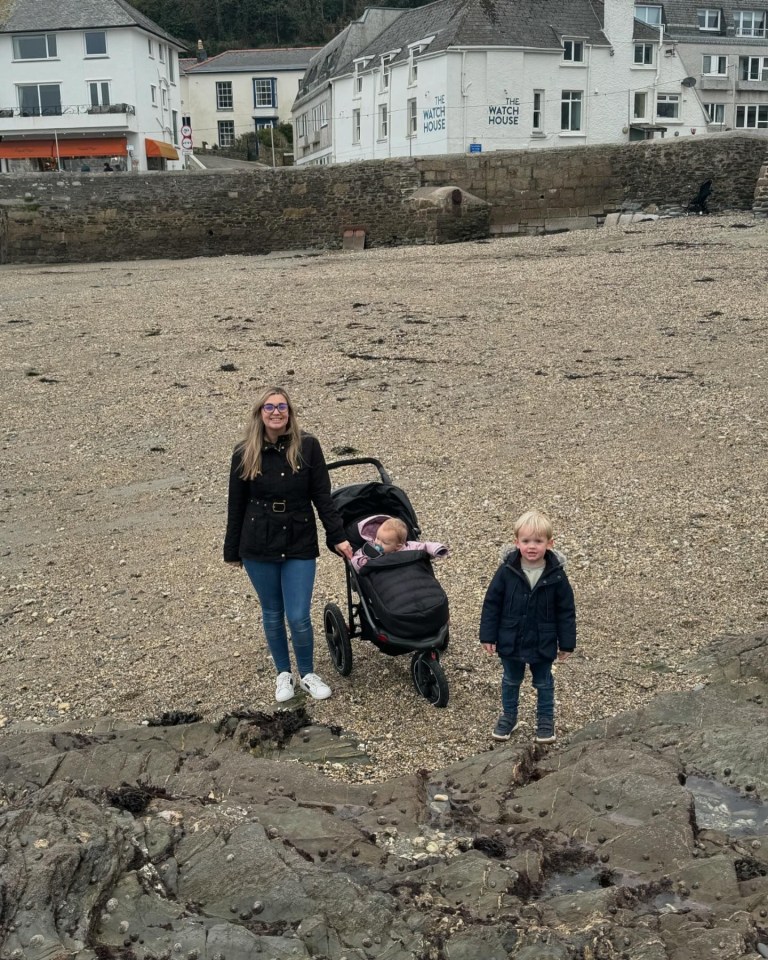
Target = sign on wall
(433,118)
(506,114)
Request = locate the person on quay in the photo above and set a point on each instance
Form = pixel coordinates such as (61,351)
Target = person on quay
(277,475)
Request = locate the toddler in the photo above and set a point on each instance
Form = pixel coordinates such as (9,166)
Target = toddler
(384,535)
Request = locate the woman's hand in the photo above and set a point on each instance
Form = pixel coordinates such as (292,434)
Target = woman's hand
(344,549)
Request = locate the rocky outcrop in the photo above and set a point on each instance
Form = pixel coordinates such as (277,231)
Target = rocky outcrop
(643,837)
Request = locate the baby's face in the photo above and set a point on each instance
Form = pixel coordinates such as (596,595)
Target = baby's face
(387,540)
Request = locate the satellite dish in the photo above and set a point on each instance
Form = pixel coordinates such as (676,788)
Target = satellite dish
(689,82)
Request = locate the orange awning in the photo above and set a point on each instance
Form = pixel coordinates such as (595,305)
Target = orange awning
(158,148)
(85,147)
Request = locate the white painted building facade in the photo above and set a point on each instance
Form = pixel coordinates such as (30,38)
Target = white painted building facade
(81,91)
(577,81)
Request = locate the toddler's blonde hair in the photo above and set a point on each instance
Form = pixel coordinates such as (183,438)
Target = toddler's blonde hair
(397,527)
(537,522)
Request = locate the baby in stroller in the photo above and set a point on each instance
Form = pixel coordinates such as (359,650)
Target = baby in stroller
(384,534)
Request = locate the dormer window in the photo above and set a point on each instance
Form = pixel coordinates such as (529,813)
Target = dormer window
(648,14)
(749,23)
(386,59)
(573,51)
(709,19)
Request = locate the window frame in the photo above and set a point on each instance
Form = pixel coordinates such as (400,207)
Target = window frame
(745,69)
(39,110)
(45,37)
(739,20)
(722,60)
(413,70)
(760,112)
(224,93)
(412,117)
(230,124)
(712,109)
(573,47)
(153,94)
(98,87)
(650,6)
(644,115)
(645,48)
(150,48)
(95,33)
(704,13)
(537,116)
(161,52)
(264,84)
(569,99)
(356,114)
(382,122)
(171,66)
(669,99)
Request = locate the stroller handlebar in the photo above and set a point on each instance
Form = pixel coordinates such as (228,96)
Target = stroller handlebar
(354,461)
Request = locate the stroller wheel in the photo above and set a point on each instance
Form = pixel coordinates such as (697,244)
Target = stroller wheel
(337,637)
(429,677)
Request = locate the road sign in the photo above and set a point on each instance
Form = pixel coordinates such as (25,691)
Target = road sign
(186,143)
(475,148)
(186,130)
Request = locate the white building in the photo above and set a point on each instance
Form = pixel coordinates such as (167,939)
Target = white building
(460,76)
(240,91)
(86,84)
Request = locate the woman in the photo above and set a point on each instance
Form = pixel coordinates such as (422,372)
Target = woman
(278,472)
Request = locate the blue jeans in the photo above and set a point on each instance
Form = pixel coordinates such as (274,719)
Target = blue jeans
(284,588)
(543,682)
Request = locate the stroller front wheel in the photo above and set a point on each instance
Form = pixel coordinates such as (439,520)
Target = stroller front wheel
(429,677)
(337,637)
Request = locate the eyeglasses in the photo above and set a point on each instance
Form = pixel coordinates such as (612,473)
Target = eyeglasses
(271,407)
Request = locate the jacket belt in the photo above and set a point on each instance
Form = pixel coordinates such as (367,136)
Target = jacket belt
(278,506)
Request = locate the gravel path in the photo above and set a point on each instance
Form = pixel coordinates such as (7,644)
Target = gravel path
(615,378)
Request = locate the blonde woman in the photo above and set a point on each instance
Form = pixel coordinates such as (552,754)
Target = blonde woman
(277,475)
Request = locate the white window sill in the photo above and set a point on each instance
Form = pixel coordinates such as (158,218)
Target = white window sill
(573,63)
(36,60)
(643,66)
(381,139)
(672,121)
(538,134)
(96,56)
(573,134)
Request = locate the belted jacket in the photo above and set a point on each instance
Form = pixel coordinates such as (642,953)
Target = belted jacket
(529,624)
(271,516)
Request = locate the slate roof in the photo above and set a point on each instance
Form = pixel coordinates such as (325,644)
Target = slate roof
(246,61)
(680,20)
(27,16)
(538,24)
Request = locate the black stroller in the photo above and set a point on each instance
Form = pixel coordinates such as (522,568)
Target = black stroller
(394,619)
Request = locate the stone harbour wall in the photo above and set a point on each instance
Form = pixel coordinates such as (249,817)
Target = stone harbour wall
(760,206)
(53,217)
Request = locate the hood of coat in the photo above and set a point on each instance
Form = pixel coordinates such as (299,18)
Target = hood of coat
(509,554)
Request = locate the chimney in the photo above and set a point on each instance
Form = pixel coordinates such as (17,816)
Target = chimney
(201,54)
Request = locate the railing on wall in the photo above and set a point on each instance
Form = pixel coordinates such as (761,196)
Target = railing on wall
(66,110)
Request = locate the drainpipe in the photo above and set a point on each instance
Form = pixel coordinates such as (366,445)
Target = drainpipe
(464,97)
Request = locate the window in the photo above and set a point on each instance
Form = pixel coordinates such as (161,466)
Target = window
(668,105)
(383,121)
(413,71)
(151,47)
(644,54)
(40,47)
(754,116)
(95,43)
(40,100)
(358,85)
(161,52)
(573,51)
(265,92)
(315,119)
(226,133)
(324,113)
(356,126)
(98,93)
(715,66)
(570,111)
(175,125)
(153,94)
(301,125)
(224,99)
(749,23)
(640,105)
(538,111)
(385,77)
(753,68)
(648,14)
(171,66)
(709,19)
(715,112)
(413,118)
(164,96)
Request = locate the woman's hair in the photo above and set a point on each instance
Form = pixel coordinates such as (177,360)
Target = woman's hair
(538,523)
(397,527)
(252,444)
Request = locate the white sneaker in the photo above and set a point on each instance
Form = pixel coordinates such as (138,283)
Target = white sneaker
(315,687)
(284,689)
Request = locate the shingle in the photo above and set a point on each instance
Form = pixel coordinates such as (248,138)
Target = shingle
(235,61)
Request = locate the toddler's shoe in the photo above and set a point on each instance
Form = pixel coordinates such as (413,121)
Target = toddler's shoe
(545,735)
(315,687)
(284,689)
(505,727)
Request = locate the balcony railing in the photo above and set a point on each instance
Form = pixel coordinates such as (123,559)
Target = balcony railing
(62,110)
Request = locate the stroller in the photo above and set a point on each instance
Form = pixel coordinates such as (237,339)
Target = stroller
(394,601)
